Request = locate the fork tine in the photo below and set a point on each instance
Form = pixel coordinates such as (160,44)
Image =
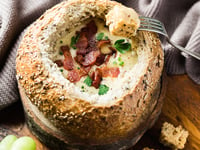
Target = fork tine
(153,23)
(150,24)
(150,19)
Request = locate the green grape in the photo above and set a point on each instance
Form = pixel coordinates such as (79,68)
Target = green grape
(7,142)
(24,143)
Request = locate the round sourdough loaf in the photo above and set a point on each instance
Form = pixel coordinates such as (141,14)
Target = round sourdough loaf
(78,119)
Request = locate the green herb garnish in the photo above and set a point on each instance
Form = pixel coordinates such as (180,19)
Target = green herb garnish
(103,89)
(106,38)
(61,53)
(82,87)
(100,36)
(78,68)
(114,62)
(119,59)
(61,70)
(121,63)
(122,46)
(88,81)
(74,40)
(61,41)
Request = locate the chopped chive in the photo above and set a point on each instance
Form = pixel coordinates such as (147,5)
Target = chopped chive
(114,62)
(78,68)
(121,63)
(61,70)
(82,87)
(119,59)
(61,41)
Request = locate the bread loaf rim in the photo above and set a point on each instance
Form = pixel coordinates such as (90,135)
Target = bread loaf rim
(91,122)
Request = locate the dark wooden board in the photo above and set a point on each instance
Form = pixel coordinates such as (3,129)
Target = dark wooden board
(181,107)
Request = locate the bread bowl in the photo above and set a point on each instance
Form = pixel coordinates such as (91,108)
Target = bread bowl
(79,97)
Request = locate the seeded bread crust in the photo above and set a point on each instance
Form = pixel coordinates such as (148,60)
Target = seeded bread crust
(79,119)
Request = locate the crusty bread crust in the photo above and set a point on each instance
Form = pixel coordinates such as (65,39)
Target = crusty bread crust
(77,118)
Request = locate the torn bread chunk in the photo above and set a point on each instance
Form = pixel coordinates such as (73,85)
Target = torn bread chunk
(123,21)
(174,137)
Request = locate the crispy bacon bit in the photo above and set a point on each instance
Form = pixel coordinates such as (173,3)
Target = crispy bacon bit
(87,69)
(114,51)
(85,51)
(79,59)
(68,61)
(82,42)
(73,76)
(92,42)
(96,78)
(90,58)
(83,71)
(110,72)
(102,42)
(64,48)
(100,60)
(91,29)
(107,58)
(59,63)
(68,64)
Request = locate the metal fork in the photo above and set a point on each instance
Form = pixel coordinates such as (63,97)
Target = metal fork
(153,25)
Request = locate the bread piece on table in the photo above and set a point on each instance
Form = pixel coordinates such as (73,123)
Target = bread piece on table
(147,148)
(174,137)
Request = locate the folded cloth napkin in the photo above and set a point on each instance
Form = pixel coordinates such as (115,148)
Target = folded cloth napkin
(182,20)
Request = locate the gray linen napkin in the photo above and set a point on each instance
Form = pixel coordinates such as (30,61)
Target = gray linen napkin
(182,20)
(15,15)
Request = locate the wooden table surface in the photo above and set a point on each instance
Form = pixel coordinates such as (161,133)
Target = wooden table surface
(181,107)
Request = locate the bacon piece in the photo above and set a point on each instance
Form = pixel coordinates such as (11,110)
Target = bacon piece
(65,50)
(107,59)
(68,64)
(59,63)
(85,51)
(82,42)
(73,76)
(83,71)
(91,29)
(102,42)
(100,60)
(96,78)
(82,52)
(79,59)
(87,69)
(68,61)
(92,42)
(90,58)
(114,51)
(110,72)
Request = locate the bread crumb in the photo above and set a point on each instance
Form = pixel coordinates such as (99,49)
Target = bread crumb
(174,137)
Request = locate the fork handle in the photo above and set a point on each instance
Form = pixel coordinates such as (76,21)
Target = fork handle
(193,54)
